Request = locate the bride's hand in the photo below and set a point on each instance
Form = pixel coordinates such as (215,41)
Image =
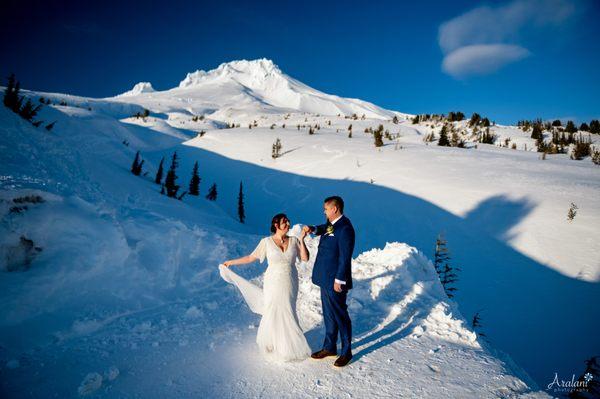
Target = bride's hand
(227,263)
(305,231)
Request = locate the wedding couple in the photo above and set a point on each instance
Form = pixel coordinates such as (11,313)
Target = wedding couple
(279,334)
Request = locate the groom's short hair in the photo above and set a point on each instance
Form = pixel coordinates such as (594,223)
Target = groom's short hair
(337,201)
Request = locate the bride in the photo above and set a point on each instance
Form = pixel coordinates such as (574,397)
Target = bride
(279,334)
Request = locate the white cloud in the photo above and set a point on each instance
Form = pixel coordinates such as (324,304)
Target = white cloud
(495,33)
(481,59)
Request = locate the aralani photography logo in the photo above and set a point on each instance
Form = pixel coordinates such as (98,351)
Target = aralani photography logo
(571,386)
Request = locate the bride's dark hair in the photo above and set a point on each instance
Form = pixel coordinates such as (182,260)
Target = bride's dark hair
(276,220)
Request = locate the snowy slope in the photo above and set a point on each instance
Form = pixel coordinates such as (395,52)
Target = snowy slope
(128,278)
(125,299)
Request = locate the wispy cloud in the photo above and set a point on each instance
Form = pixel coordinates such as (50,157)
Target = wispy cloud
(491,37)
(481,59)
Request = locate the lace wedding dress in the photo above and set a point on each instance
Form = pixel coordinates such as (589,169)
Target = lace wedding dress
(279,335)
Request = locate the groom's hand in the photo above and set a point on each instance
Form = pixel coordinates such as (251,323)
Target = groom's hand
(306,230)
(337,287)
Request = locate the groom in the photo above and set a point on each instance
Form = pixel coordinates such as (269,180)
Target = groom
(332,273)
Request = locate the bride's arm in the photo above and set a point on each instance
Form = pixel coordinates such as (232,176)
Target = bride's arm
(240,261)
(304,254)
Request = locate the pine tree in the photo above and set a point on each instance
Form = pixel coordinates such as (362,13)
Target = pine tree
(572,212)
(136,167)
(584,127)
(476,324)
(378,135)
(395,119)
(556,123)
(475,119)
(11,93)
(212,193)
(171,179)
(570,128)
(536,132)
(195,181)
(595,126)
(159,173)
(276,150)
(28,111)
(446,273)
(241,212)
(443,140)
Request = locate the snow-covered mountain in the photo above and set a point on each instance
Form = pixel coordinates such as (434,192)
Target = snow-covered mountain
(125,291)
(139,88)
(243,90)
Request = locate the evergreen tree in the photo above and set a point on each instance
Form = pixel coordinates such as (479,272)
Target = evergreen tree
(159,173)
(476,324)
(485,122)
(195,181)
(395,119)
(584,127)
(595,126)
(378,135)
(28,111)
(11,93)
(536,132)
(443,140)
(446,273)
(241,212)
(556,123)
(212,193)
(136,166)
(486,137)
(276,150)
(171,179)
(475,119)
(570,128)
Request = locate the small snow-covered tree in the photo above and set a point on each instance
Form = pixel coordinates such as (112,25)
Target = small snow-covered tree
(378,136)
(476,324)
(212,193)
(443,140)
(570,127)
(241,211)
(572,212)
(445,271)
(136,166)
(171,179)
(159,173)
(276,150)
(194,188)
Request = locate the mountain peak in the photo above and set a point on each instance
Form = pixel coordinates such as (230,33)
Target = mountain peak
(245,71)
(139,88)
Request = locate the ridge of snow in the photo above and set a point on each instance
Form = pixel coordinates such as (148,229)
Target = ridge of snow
(139,88)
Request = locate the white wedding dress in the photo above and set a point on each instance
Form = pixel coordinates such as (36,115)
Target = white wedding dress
(279,335)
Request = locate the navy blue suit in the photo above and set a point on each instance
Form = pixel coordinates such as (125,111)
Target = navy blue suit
(334,261)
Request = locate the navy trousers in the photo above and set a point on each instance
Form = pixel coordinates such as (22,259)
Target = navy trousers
(337,320)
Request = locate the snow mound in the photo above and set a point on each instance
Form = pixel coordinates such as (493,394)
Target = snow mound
(139,88)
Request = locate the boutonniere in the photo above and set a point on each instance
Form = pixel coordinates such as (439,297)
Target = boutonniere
(330,229)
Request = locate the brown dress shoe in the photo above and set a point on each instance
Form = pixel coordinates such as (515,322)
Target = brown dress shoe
(322,354)
(342,360)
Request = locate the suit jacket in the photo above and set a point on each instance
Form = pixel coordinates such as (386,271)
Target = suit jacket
(334,259)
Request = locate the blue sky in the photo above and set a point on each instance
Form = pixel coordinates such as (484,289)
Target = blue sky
(508,60)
